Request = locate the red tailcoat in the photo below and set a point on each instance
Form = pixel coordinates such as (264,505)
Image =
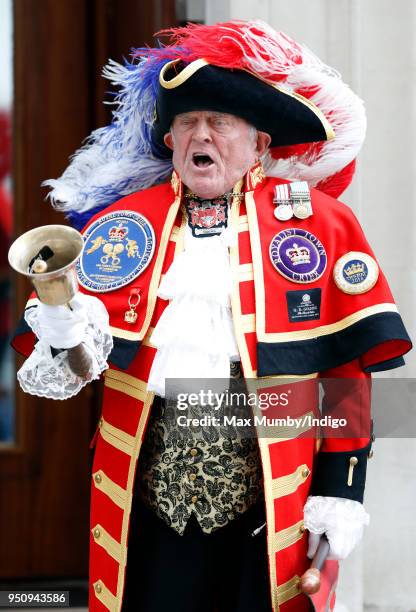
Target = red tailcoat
(353,335)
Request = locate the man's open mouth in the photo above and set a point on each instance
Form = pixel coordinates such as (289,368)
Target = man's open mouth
(201,160)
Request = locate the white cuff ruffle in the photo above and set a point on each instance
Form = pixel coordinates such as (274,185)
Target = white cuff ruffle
(342,520)
(47,376)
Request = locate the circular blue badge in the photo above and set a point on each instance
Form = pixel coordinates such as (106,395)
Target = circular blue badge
(118,247)
(298,255)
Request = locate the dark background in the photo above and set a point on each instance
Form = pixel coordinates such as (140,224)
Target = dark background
(60,48)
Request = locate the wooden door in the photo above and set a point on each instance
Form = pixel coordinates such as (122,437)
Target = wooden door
(60,47)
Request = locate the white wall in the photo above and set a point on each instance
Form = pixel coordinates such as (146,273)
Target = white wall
(372,44)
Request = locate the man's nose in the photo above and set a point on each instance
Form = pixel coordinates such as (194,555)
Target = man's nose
(202,132)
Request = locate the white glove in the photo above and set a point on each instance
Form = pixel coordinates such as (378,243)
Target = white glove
(47,375)
(342,520)
(61,327)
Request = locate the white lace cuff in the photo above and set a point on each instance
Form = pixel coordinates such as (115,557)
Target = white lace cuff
(44,375)
(342,520)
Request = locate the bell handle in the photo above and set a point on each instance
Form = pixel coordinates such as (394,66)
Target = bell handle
(79,360)
(310,581)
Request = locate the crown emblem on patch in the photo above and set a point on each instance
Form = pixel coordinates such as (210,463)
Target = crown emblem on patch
(355,268)
(355,272)
(118,232)
(298,254)
(118,248)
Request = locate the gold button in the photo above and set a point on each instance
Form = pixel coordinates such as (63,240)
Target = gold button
(98,588)
(305,472)
(194,499)
(100,422)
(192,476)
(302,529)
(194,452)
(97,533)
(370,454)
(373,437)
(98,478)
(353,461)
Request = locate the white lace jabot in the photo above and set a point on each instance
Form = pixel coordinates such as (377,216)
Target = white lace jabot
(194,336)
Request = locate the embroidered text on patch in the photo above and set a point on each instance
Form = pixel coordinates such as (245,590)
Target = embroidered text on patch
(298,255)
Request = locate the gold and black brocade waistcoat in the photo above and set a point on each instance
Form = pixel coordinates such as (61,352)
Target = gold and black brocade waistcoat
(211,471)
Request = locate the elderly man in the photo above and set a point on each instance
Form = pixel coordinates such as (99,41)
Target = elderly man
(220,269)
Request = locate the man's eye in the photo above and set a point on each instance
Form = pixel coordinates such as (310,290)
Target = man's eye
(186,122)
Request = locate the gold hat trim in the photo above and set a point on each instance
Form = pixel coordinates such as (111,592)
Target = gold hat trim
(184,74)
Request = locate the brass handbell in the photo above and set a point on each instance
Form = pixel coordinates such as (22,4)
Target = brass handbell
(48,255)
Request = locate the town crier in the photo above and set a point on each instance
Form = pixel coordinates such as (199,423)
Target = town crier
(215,249)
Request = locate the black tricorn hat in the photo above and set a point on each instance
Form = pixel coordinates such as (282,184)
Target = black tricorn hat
(288,117)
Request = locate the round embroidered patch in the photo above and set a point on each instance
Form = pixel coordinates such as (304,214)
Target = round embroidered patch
(355,272)
(298,255)
(118,247)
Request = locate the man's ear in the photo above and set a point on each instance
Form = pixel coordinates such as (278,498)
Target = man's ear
(263,142)
(168,140)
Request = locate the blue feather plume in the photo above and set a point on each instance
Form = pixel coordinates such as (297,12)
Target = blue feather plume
(120,158)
